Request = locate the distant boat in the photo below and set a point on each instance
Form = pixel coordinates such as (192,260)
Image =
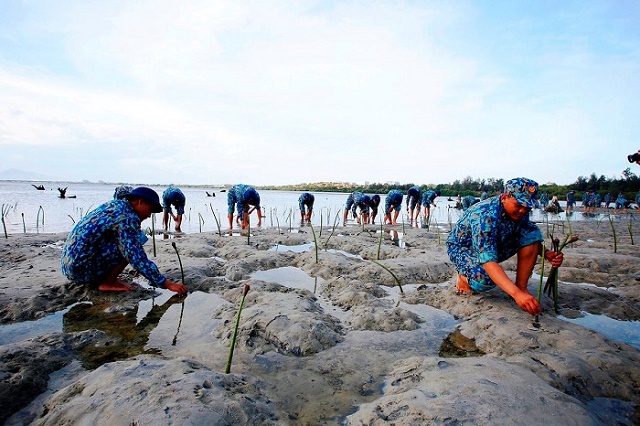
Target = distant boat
(223,190)
(38,187)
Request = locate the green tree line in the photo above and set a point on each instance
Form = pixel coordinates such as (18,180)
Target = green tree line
(628,184)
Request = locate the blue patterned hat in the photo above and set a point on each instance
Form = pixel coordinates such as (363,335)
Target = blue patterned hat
(524,190)
(148,194)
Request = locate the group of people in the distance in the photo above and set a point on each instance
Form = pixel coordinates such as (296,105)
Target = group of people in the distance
(110,237)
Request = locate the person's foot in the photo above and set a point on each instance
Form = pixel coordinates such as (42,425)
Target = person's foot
(116,286)
(462,285)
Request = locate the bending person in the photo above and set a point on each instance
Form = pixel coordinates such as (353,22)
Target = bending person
(305,203)
(173,195)
(109,238)
(357,200)
(413,200)
(428,198)
(392,203)
(246,199)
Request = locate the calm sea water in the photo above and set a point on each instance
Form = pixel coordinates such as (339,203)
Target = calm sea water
(24,207)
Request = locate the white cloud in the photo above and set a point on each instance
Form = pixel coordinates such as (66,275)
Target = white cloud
(284,92)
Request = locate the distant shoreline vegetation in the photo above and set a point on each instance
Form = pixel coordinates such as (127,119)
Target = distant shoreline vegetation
(628,184)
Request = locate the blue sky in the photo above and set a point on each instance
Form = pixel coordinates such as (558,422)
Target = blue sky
(278,92)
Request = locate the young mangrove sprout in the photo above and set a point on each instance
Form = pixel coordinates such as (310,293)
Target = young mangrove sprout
(5,210)
(38,217)
(615,240)
(24,226)
(153,232)
(379,241)
(315,240)
(200,221)
(335,223)
(216,219)
(551,287)
(245,290)
(535,319)
(175,247)
(249,232)
(395,277)
(630,227)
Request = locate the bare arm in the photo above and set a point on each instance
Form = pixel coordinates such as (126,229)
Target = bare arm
(523,298)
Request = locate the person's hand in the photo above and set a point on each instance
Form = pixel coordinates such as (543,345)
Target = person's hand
(554,258)
(179,288)
(528,303)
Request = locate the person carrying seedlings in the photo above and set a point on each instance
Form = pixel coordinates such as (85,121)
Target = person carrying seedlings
(109,238)
(392,203)
(413,200)
(357,200)
(246,199)
(374,202)
(305,203)
(428,198)
(493,231)
(173,195)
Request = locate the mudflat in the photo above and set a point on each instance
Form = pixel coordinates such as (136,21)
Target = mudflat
(335,341)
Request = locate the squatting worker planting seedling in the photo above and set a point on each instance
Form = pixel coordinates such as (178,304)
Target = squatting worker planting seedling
(109,238)
(494,230)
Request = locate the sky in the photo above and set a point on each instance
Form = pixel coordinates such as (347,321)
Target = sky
(286,92)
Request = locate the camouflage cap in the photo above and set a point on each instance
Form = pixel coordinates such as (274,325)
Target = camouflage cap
(524,190)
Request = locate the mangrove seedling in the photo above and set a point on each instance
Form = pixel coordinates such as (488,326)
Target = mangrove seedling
(535,319)
(315,240)
(5,210)
(216,219)
(379,242)
(175,247)
(153,232)
(24,226)
(395,277)
(245,290)
(615,240)
(38,217)
(630,227)
(335,223)
(200,221)
(551,287)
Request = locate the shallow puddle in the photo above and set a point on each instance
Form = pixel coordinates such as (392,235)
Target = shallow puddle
(10,333)
(322,388)
(457,345)
(621,331)
(301,248)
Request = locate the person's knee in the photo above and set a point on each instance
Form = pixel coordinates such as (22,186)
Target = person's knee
(532,250)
